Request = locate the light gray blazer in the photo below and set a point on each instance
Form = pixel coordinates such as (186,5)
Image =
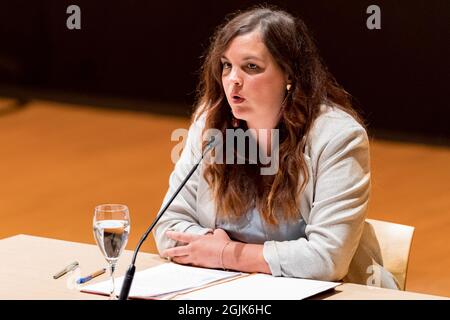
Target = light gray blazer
(333,204)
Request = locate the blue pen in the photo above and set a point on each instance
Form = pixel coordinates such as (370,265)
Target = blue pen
(91,276)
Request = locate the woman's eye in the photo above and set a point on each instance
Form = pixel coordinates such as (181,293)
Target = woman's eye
(252,66)
(226,65)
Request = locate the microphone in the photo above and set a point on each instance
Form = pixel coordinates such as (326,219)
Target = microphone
(128,280)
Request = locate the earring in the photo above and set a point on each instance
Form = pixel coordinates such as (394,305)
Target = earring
(288,87)
(235,122)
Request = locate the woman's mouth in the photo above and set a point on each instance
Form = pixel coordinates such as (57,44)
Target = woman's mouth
(237,99)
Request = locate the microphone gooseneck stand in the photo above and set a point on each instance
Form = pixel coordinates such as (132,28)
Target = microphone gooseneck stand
(128,280)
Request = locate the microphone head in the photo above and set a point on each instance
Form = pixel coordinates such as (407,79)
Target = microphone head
(212,142)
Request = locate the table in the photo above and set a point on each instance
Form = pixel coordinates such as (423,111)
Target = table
(28,264)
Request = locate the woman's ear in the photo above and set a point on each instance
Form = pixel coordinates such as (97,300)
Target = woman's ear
(288,79)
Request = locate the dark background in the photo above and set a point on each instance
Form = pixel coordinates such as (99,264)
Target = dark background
(132,54)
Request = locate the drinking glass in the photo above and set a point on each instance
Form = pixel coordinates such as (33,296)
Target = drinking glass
(111,230)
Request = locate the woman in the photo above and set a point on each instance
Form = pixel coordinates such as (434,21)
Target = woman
(262,71)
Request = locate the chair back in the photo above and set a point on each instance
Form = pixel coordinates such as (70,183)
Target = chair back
(385,244)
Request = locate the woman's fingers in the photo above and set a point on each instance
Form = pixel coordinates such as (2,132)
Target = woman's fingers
(182,237)
(182,260)
(176,251)
(200,250)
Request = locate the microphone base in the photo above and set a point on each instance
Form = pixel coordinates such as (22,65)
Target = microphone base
(127,281)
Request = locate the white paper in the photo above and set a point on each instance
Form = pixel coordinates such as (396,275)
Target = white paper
(262,287)
(163,279)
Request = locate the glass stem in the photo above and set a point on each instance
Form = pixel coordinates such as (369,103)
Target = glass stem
(112,268)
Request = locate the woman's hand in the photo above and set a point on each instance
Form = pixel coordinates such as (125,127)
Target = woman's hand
(199,250)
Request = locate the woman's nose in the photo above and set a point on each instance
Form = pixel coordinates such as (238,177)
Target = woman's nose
(235,78)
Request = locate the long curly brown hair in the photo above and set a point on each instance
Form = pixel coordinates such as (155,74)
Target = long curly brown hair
(237,188)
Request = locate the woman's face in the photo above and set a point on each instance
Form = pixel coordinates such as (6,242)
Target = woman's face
(254,83)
